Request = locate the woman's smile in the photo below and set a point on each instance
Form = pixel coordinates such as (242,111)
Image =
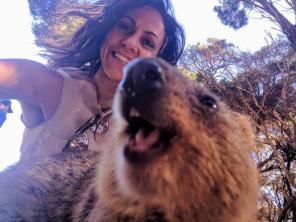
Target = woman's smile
(120,57)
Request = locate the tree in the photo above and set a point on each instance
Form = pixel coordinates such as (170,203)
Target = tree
(215,59)
(234,13)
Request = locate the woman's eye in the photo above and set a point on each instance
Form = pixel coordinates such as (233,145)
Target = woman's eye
(148,43)
(127,29)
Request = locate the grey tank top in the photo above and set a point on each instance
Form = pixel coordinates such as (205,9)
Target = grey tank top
(78,103)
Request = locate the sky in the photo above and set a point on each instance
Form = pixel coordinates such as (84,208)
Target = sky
(16,41)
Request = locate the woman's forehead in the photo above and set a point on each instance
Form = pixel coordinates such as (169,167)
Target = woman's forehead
(147,18)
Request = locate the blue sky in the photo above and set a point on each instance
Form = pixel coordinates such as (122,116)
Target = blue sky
(17,41)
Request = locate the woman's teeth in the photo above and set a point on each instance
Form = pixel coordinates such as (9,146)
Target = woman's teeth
(122,58)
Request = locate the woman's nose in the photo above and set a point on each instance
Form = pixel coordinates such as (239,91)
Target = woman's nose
(131,42)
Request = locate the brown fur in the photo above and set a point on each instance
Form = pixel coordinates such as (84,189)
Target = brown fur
(206,172)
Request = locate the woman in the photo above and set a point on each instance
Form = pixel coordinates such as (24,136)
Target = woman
(63,109)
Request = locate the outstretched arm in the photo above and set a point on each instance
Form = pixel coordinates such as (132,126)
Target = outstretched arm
(35,86)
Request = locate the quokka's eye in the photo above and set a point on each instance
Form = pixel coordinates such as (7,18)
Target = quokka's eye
(209,101)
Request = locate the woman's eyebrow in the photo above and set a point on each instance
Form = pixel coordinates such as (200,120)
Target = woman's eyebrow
(131,19)
(151,33)
(134,24)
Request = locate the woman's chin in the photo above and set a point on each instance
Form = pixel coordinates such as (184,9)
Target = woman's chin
(115,77)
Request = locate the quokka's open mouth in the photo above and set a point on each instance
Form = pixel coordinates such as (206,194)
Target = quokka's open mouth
(141,90)
(146,140)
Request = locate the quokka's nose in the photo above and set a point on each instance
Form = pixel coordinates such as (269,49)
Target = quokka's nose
(143,74)
(151,72)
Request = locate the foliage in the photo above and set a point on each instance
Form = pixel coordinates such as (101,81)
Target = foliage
(215,58)
(54,21)
(189,74)
(232,14)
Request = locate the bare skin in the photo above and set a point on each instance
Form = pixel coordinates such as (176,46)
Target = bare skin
(24,80)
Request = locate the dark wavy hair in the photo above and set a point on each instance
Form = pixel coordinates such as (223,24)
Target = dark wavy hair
(82,50)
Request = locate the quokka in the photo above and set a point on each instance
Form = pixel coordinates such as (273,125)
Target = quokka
(177,153)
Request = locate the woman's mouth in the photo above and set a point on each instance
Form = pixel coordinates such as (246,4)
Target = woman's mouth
(123,59)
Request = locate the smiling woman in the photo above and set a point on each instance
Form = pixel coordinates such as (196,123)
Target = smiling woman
(139,33)
(66,103)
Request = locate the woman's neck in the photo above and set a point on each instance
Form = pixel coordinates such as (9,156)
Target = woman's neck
(106,89)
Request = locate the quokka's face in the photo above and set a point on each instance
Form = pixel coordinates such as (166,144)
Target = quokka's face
(172,128)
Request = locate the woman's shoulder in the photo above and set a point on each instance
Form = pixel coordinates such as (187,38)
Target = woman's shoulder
(75,74)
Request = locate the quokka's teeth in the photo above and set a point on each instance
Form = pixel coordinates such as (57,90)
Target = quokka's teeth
(134,113)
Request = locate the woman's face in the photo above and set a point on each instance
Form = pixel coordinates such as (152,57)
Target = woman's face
(138,33)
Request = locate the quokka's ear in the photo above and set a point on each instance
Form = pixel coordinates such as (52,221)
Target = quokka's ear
(247,131)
